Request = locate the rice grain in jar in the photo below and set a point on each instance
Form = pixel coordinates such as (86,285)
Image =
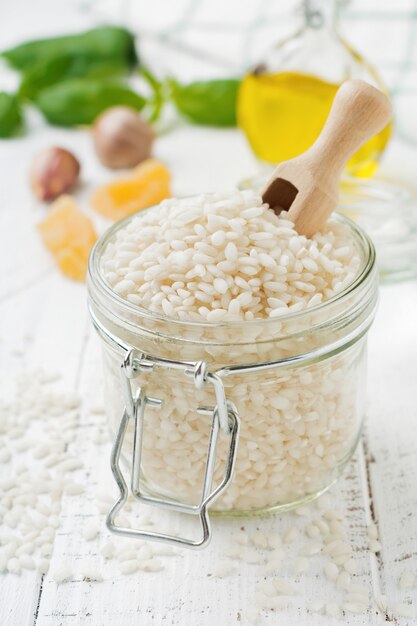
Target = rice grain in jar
(219,303)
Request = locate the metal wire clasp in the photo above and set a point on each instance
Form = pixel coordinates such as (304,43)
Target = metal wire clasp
(224,416)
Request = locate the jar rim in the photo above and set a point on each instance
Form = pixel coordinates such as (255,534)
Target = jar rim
(97,283)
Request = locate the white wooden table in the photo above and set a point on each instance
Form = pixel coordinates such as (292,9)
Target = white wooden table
(379,484)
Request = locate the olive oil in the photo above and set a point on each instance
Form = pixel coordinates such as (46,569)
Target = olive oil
(283,113)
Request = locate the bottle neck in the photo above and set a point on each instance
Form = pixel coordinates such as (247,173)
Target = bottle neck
(320,14)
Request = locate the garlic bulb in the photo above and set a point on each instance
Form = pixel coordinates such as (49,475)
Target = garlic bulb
(122,139)
(54,171)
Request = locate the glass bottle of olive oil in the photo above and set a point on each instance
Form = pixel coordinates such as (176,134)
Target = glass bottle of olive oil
(284,102)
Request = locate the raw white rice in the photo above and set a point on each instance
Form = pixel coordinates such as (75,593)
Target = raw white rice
(36,424)
(242,538)
(62,574)
(372,531)
(381,602)
(332,571)
(151,565)
(343,580)
(316,606)
(274,541)
(277,603)
(90,573)
(91,530)
(250,555)
(74,489)
(407,580)
(352,607)
(14,566)
(291,535)
(350,566)
(222,567)
(273,566)
(129,567)
(312,531)
(233,552)
(260,541)
(169,246)
(404,610)
(301,565)
(311,549)
(268,588)
(374,545)
(252,614)
(333,610)
(283,586)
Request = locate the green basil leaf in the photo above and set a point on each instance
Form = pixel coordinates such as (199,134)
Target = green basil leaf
(48,71)
(78,101)
(11,119)
(211,102)
(114,43)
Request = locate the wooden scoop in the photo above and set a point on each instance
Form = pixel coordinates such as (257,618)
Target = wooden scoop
(308,185)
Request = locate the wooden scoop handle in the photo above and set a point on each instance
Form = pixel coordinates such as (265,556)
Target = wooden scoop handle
(307,186)
(358,112)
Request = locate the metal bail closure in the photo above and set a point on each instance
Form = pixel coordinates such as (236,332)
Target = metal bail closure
(224,416)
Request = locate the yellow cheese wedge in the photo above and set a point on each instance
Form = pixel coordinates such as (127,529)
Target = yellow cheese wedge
(147,184)
(69,235)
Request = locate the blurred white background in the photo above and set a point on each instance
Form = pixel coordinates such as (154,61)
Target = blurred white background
(202,38)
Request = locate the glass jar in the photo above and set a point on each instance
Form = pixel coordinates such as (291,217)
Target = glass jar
(279,400)
(388,213)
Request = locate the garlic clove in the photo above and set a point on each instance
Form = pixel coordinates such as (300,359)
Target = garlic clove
(53,171)
(122,139)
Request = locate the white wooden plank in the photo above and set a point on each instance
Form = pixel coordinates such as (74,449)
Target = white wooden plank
(391,435)
(19,598)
